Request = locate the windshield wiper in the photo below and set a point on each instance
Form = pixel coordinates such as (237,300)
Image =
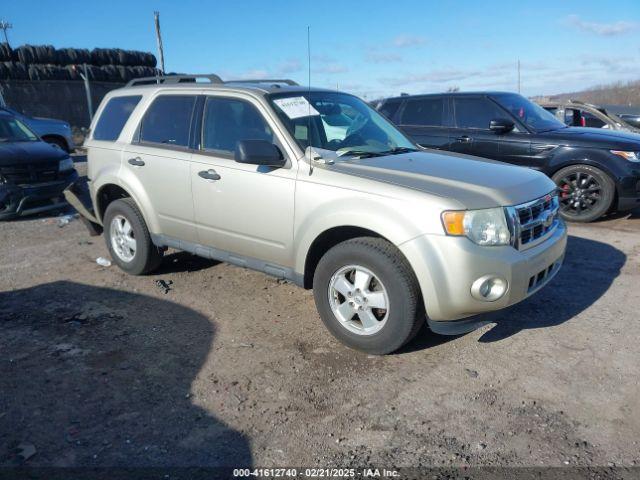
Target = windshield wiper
(360,153)
(397,150)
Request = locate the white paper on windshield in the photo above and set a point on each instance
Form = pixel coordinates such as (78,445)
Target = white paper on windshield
(296,107)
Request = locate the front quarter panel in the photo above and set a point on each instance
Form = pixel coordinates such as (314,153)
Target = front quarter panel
(327,199)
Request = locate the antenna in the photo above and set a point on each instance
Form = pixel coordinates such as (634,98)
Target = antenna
(518,75)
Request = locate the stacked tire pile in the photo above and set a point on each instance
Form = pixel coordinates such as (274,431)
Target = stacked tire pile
(44,62)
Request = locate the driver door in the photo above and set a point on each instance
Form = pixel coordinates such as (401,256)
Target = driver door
(246,210)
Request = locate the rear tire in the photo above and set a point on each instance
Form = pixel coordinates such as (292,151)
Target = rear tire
(367,295)
(128,238)
(586,192)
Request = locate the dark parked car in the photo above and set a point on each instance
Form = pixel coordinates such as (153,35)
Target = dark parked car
(632,119)
(33,173)
(596,170)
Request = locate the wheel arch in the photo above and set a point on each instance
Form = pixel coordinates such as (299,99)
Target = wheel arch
(58,140)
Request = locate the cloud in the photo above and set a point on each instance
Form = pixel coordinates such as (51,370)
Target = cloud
(603,29)
(382,57)
(289,66)
(330,68)
(403,41)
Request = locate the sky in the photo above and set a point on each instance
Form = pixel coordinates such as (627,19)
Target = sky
(370,48)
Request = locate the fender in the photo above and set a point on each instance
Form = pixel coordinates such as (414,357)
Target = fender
(385,216)
(132,185)
(584,156)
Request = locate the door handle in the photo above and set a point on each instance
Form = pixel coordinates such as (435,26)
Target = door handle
(464,139)
(210,174)
(136,162)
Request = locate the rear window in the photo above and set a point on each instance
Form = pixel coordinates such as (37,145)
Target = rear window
(424,111)
(115,114)
(168,120)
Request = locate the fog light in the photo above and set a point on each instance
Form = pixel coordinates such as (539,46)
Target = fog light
(489,288)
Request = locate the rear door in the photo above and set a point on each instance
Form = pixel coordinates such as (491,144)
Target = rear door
(470,133)
(247,210)
(158,161)
(424,119)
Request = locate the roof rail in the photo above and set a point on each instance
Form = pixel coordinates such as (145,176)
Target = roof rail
(173,79)
(286,81)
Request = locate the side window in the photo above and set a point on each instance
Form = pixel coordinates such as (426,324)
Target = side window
(424,111)
(389,109)
(228,121)
(114,115)
(168,120)
(476,112)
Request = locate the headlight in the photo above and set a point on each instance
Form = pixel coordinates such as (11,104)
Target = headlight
(631,156)
(65,164)
(484,227)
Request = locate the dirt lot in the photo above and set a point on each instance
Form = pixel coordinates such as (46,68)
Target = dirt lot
(231,367)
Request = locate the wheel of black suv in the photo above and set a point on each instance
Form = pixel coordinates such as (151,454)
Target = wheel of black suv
(128,238)
(368,296)
(586,193)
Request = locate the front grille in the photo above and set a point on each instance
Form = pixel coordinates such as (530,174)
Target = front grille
(534,221)
(29,172)
(544,276)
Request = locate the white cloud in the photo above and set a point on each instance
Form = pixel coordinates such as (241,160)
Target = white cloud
(374,56)
(330,68)
(403,41)
(603,29)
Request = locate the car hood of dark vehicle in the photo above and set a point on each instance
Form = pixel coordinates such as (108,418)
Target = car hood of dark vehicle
(592,137)
(29,152)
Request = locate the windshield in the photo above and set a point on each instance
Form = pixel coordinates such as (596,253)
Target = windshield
(529,113)
(338,122)
(13,130)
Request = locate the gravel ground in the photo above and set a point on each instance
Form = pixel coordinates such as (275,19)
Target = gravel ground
(231,367)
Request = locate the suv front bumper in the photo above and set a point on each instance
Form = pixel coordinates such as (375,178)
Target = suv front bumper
(20,200)
(446,267)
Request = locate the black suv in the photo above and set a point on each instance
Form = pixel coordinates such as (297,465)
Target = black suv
(597,171)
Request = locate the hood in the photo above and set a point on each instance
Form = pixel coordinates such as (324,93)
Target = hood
(474,182)
(594,138)
(29,152)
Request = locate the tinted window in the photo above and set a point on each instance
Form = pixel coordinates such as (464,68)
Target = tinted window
(228,121)
(423,111)
(115,114)
(168,120)
(389,109)
(476,112)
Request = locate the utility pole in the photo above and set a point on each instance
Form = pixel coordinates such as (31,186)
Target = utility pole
(518,75)
(5,26)
(156,16)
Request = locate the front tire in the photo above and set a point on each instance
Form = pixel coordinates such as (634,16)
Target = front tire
(367,295)
(128,238)
(586,193)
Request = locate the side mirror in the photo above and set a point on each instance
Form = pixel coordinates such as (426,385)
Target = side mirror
(259,152)
(501,125)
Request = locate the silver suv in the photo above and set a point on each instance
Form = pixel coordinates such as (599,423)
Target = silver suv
(316,187)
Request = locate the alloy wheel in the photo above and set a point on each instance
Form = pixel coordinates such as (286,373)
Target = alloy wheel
(358,300)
